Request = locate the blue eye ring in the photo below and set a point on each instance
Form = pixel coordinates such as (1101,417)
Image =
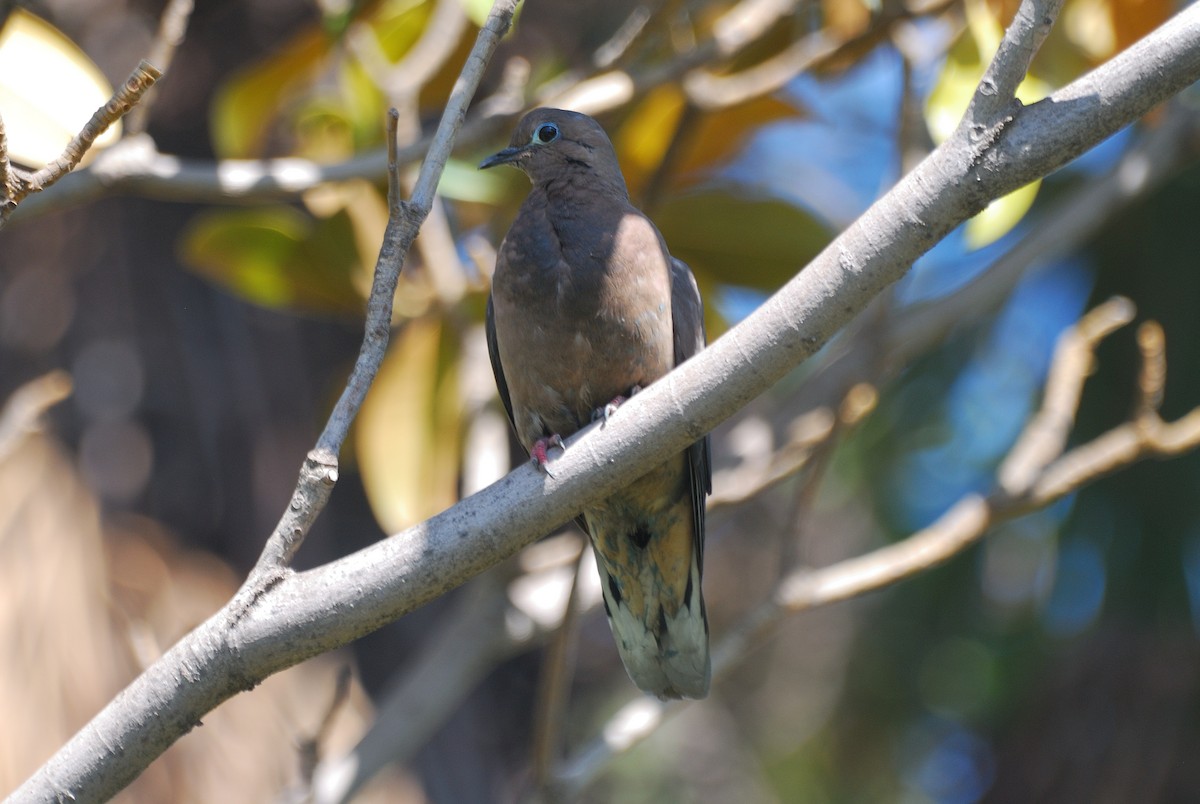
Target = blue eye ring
(545,133)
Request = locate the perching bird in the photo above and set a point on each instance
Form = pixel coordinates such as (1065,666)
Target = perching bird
(587,308)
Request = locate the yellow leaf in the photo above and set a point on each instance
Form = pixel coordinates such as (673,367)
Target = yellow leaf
(643,140)
(408,435)
(1000,216)
(49,89)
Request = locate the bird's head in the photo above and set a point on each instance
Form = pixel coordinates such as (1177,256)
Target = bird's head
(549,143)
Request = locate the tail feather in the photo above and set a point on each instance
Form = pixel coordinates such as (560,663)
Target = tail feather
(667,656)
(661,629)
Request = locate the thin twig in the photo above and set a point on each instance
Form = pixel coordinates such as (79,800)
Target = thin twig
(133,166)
(1046,435)
(1157,153)
(466,644)
(626,34)
(320,470)
(6,186)
(1153,346)
(997,89)
(122,101)
(172,28)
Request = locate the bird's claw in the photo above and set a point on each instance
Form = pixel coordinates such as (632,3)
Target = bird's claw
(617,401)
(538,453)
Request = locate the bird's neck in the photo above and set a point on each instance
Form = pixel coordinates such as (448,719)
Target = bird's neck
(585,186)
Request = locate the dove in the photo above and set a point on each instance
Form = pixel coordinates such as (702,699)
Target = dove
(587,308)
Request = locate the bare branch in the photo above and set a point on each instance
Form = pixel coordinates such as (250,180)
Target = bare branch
(468,642)
(135,166)
(122,101)
(1046,435)
(998,88)
(1153,345)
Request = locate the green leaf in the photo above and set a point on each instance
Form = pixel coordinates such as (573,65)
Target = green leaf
(277,257)
(739,239)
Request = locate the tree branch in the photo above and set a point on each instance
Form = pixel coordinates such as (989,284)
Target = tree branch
(304,614)
(122,101)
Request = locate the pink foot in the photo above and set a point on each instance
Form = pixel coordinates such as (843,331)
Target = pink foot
(540,447)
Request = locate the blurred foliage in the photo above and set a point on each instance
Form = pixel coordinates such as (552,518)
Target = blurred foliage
(408,436)
(278,257)
(922,693)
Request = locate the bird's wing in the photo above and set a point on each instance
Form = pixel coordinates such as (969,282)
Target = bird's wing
(494,356)
(687,316)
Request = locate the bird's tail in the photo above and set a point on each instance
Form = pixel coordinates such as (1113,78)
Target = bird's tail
(656,610)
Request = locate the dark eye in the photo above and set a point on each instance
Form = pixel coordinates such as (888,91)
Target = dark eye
(546,132)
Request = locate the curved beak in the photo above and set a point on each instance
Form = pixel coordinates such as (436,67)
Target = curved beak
(505,157)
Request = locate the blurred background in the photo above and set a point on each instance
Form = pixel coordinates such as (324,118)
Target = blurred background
(169,352)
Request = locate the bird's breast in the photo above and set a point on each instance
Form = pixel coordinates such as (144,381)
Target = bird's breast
(582,313)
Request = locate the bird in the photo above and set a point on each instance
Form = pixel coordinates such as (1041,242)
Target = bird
(587,308)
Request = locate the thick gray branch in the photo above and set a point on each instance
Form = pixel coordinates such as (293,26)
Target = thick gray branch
(307,613)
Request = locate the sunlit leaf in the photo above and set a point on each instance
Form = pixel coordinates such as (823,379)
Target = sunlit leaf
(999,217)
(277,257)
(408,435)
(752,241)
(1088,25)
(49,89)
(646,135)
(248,107)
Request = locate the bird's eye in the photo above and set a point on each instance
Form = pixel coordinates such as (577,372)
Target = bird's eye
(546,132)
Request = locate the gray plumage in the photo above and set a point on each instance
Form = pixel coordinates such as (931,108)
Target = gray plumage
(588,307)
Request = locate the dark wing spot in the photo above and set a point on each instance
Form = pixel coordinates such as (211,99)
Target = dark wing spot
(614,590)
(662,621)
(687,593)
(640,537)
